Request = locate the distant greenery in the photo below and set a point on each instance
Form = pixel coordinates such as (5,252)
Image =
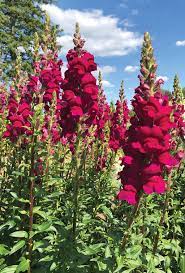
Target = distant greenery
(19,20)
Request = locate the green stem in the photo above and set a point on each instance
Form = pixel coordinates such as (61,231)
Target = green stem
(131,221)
(75,210)
(75,180)
(165,207)
(32,184)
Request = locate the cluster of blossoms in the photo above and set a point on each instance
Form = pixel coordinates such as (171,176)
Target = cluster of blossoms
(19,114)
(118,123)
(42,87)
(3,98)
(103,114)
(179,109)
(147,148)
(51,79)
(80,92)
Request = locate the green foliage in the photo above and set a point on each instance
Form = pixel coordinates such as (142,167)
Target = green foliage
(19,20)
(102,222)
(67,218)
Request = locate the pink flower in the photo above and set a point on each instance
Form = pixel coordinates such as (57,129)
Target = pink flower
(80,94)
(129,194)
(76,111)
(147,145)
(118,125)
(154,184)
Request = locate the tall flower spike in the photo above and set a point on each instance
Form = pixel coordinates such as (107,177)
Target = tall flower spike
(121,92)
(147,150)
(18,65)
(100,84)
(148,63)
(177,91)
(36,47)
(77,40)
(54,46)
(46,38)
(100,80)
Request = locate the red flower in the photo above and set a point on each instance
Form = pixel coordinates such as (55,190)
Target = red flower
(129,194)
(80,95)
(147,146)
(155,184)
(118,126)
(19,115)
(76,111)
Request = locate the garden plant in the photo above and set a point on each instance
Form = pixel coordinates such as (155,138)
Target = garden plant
(87,186)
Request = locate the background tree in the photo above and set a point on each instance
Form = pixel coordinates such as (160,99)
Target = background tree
(183,91)
(19,20)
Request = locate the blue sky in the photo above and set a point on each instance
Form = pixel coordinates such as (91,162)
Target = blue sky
(113,30)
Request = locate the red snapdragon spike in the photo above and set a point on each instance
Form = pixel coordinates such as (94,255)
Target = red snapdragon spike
(118,125)
(80,96)
(179,111)
(179,120)
(103,114)
(51,79)
(3,99)
(19,116)
(147,146)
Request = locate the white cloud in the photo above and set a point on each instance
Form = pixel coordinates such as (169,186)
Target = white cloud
(127,23)
(104,36)
(107,84)
(180,43)
(107,69)
(164,78)
(64,67)
(131,68)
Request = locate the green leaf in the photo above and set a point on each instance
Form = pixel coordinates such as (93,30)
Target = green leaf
(159,270)
(10,224)
(120,263)
(3,250)
(93,249)
(18,173)
(23,266)
(19,234)
(107,212)
(37,245)
(102,266)
(17,246)
(43,227)
(36,210)
(2,261)
(9,269)
(182,264)
(14,195)
(46,259)
(107,252)
(134,251)
(53,266)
